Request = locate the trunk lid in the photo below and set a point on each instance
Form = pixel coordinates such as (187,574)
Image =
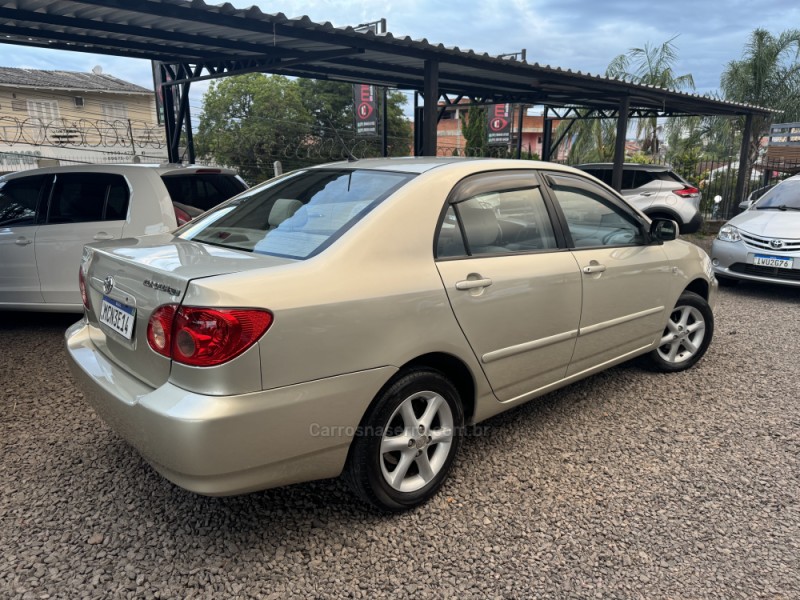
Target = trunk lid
(137,275)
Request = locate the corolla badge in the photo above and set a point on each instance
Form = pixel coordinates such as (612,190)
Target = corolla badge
(163,287)
(108,284)
(776,243)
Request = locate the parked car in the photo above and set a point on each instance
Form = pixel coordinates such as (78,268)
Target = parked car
(47,215)
(755,195)
(762,243)
(658,191)
(353,317)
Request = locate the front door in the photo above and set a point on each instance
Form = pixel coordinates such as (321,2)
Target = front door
(626,280)
(20,199)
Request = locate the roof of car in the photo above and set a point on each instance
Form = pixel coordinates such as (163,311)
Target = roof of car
(629,166)
(160,169)
(422,164)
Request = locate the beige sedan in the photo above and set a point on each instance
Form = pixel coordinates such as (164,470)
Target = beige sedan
(354,317)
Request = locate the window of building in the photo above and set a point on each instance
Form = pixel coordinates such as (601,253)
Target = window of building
(43,110)
(115,110)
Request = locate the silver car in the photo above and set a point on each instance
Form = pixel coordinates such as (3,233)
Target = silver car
(763,242)
(656,190)
(353,318)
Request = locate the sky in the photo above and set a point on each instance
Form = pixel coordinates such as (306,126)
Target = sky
(582,35)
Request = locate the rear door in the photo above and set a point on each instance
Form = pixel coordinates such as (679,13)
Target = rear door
(626,280)
(20,206)
(83,208)
(640,187)
(513,287)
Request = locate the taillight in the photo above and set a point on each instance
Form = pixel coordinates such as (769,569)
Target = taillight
(204,337)
(82,286)
(181,216)
(686,191)
(159,329)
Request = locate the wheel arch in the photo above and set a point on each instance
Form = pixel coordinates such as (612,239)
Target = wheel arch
(456,371)
(700,287)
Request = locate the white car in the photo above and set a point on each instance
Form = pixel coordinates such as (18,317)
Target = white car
(47,215)
(762,243)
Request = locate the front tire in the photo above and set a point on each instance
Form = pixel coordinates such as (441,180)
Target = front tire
(686,336)
(407,442)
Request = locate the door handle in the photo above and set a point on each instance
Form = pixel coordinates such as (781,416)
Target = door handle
(471,284)
(23,241)
(102,235)
(647,194)
(596,268)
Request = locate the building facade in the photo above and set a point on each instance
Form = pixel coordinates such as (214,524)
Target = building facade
(66,117)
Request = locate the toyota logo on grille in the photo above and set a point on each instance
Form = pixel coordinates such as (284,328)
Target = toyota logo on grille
(776,243)
(108,284)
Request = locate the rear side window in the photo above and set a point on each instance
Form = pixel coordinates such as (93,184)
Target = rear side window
(603,175)
(203,191)
(296,216)
(86,197)
(19,199)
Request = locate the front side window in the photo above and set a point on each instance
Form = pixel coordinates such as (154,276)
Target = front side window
(592,219)
(19,199)
(296,216)
(496,223)
(85,197)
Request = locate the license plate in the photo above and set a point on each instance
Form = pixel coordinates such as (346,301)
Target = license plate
(781,262)
(118,316)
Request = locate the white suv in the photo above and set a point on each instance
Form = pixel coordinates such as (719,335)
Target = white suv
(658,191)
(47,215)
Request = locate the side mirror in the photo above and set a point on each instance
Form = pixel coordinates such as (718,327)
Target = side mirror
(663,230)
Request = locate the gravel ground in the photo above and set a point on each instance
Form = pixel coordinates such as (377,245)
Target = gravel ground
(627,485)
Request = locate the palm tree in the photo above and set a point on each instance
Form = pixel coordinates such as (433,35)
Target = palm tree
(651,65)
(767,75)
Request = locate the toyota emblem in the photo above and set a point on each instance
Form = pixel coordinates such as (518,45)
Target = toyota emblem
(776,243)
(108,284)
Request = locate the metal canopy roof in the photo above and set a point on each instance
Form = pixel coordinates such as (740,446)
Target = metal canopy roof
(211,41)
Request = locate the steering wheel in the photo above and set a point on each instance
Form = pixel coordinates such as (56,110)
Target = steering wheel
(625,236)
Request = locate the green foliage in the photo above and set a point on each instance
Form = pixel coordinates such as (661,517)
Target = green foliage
(475,131)
(651,65)
(767,75)
(249,121)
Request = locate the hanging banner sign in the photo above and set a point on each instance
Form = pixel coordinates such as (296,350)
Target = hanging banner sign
(366,109)
(499,124)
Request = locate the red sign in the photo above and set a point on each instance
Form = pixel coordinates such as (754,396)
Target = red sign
(366,109)
(499,116)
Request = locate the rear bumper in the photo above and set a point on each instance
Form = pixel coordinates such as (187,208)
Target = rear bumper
(222,445)
(693,225)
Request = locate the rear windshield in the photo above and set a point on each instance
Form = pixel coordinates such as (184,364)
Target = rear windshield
(784,195)
(203,191)
(298,215)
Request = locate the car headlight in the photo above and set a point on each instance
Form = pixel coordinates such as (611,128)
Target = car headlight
(729,233)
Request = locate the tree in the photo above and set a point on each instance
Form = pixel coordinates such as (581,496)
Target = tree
(248,120)
(651,65)
(767,75)
(475,131)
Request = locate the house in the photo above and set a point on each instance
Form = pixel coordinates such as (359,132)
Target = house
(51,117)
(451,139)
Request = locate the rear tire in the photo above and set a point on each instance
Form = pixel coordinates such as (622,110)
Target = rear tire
(686,337)
(407,442)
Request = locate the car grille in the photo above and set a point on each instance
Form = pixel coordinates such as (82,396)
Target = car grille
(764,243)
(759,271)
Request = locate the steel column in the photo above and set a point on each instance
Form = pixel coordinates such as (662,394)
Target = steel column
(619,143)
(744,160)
(519,130)
(547,136)
(429,110)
